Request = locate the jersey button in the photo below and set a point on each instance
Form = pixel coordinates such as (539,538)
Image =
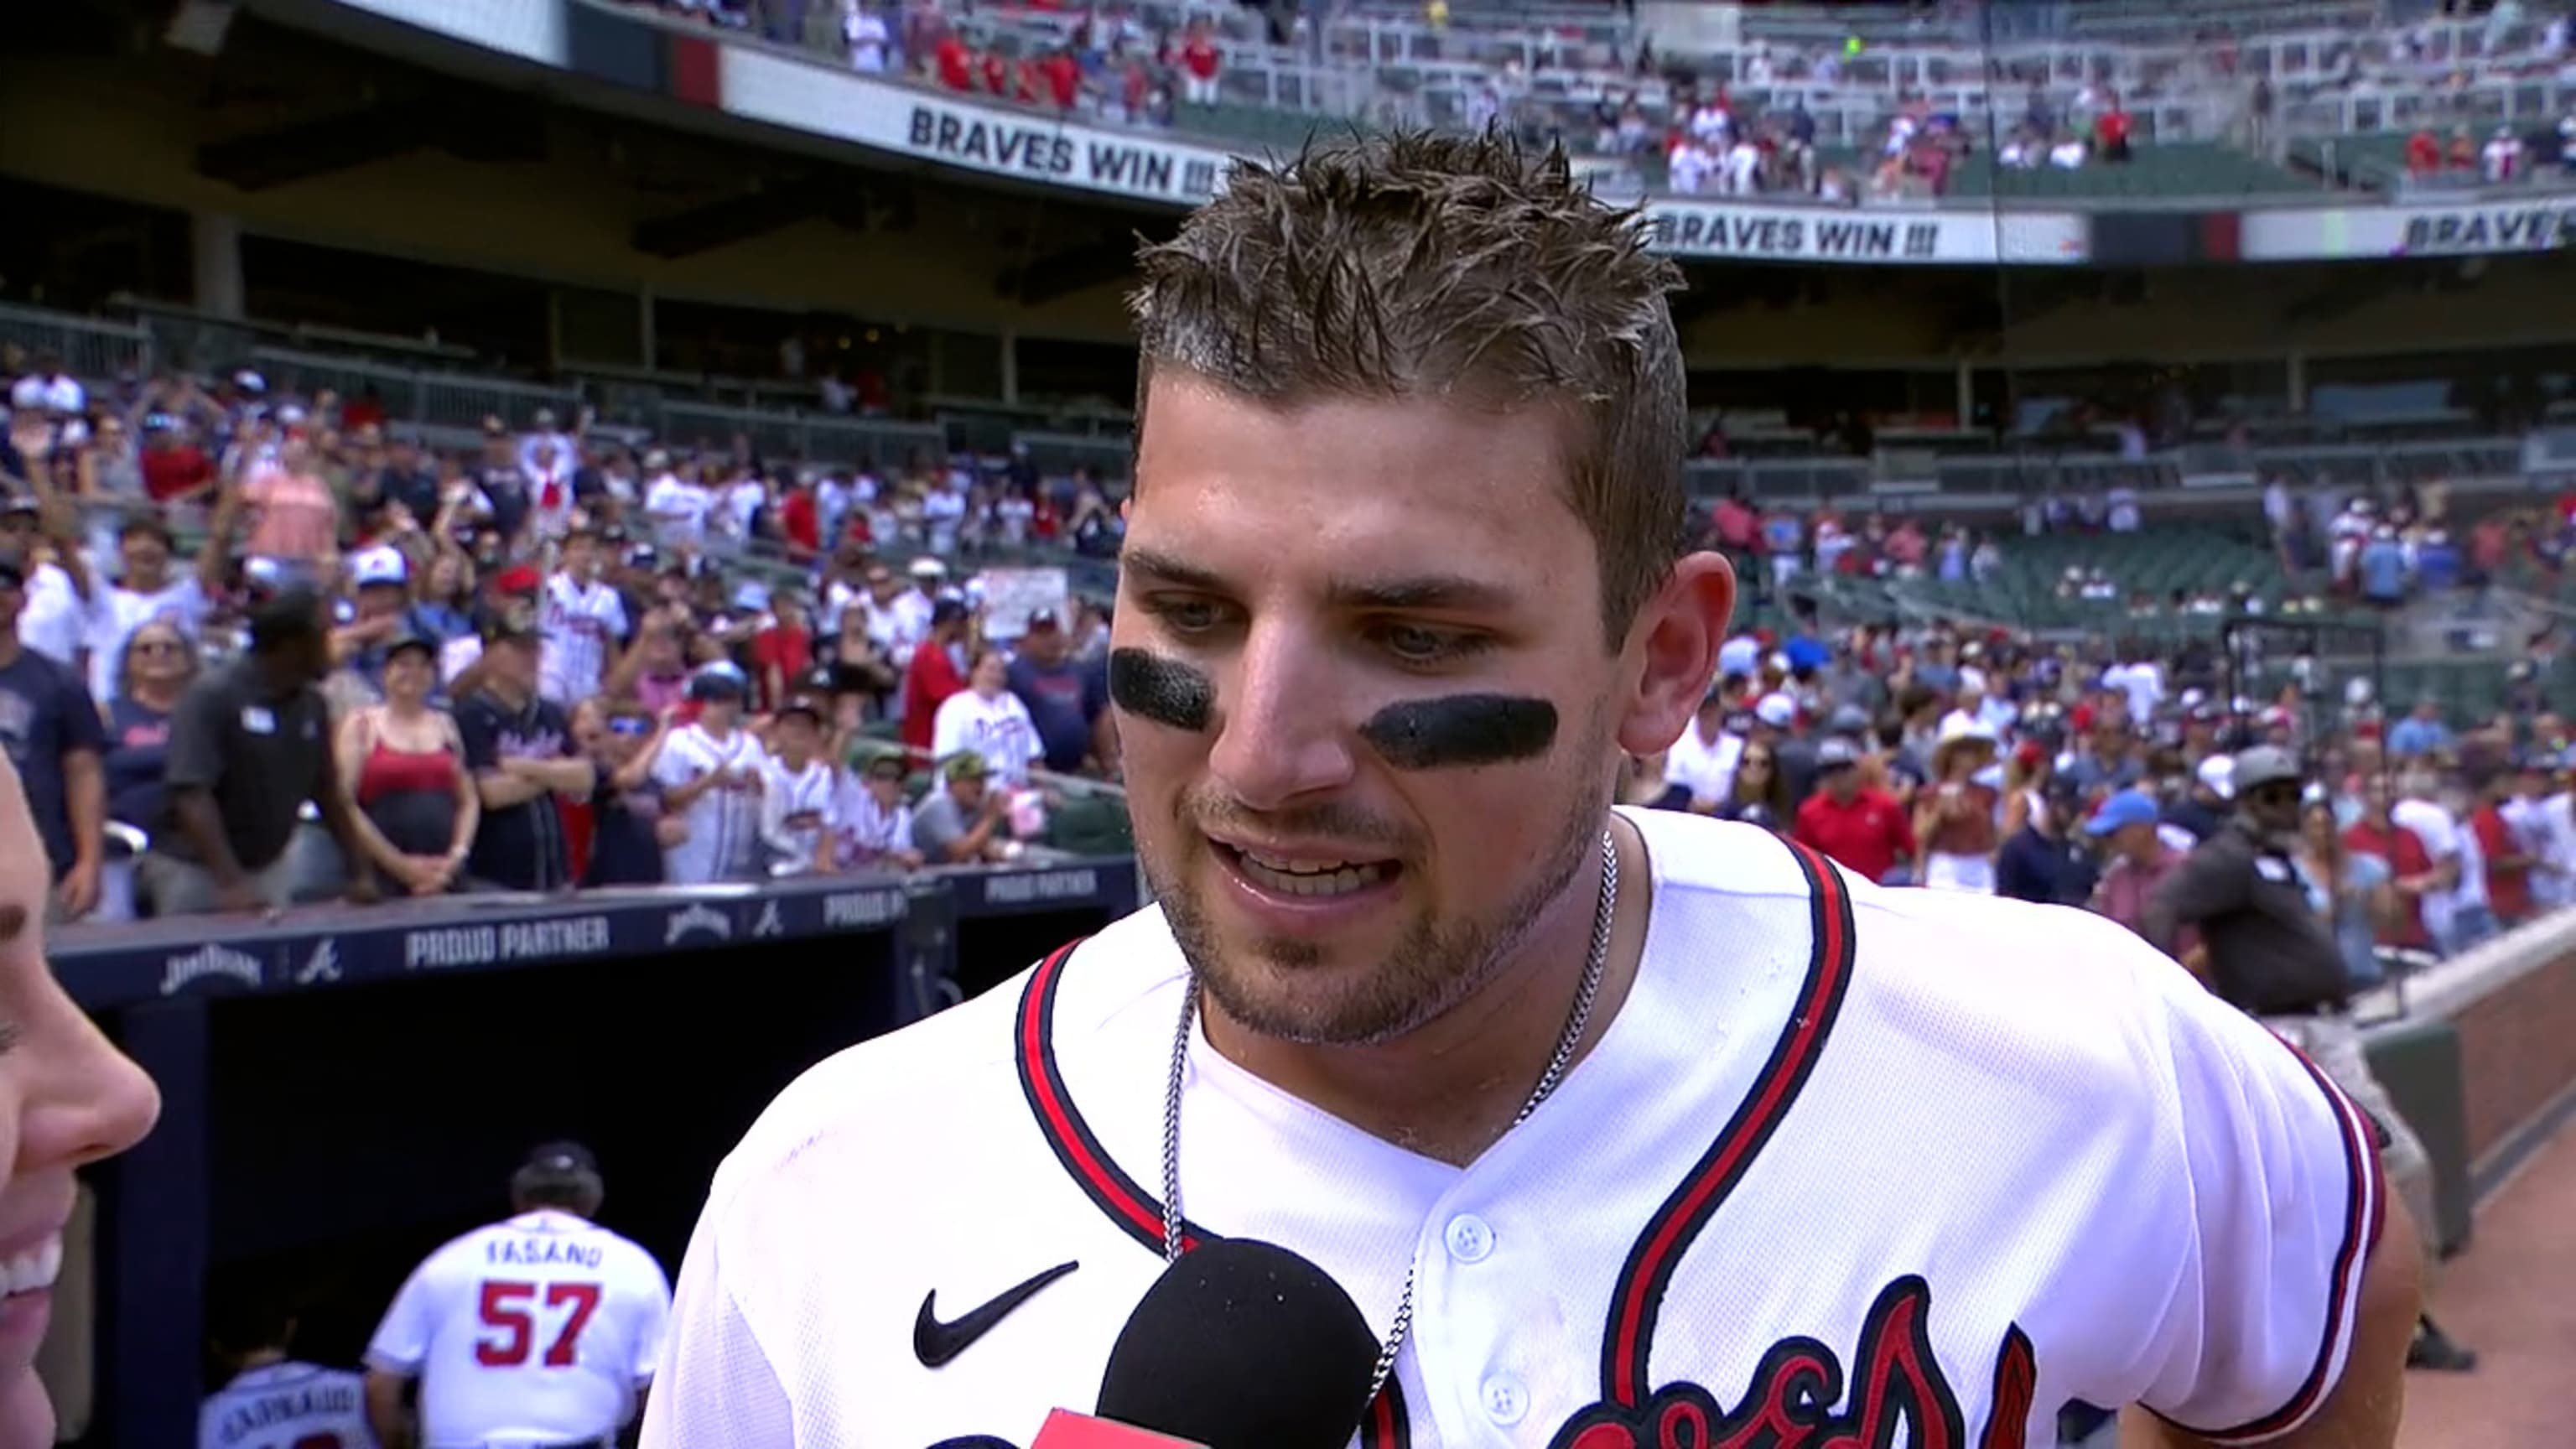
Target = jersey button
(1506,1399)
(1471,1240)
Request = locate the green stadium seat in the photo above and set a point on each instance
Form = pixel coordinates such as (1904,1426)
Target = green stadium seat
(1091,825)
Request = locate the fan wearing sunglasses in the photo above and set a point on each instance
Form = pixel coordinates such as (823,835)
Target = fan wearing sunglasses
(2266,951)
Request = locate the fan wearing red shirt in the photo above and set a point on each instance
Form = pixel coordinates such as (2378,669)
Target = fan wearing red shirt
(2508,865)
(173,467)
(800,522)
(932,676)
(2111,134)
(956,64)
(2410,867)
(1859,826)
(1199,59)
(2423,154)
(782,652)
(1063,78)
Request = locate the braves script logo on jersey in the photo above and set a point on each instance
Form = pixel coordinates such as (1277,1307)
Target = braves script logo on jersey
(1791,1401)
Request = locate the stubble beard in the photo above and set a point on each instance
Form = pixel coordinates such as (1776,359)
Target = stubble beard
(1434,965)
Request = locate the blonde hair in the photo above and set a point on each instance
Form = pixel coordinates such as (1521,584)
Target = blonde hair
(1459,269)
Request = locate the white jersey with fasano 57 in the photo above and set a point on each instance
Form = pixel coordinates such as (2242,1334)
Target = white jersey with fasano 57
(287,1406)
(536,1330)
(1850,1165)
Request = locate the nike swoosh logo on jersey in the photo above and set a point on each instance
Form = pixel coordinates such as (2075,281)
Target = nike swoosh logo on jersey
(936,1343)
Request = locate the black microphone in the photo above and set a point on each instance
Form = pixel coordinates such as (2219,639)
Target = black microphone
(1243,1345)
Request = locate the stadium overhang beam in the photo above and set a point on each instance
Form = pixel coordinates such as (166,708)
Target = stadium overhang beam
(306,149)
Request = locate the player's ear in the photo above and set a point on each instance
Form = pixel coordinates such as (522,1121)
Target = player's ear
(1673,645)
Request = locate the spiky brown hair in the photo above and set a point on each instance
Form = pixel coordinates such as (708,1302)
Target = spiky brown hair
(1462,269)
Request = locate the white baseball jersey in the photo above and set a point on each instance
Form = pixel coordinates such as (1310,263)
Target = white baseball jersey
(287,1406)
(898,626)
(1851,1165)
(678,510)
(798,808)
(868,830)
(999,729)
(580,624)
(550,500)
(536,1330)
(723,823)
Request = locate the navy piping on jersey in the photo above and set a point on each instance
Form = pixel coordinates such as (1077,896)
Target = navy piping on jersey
(1639,1296)
(1137,1212)
(2365,1213)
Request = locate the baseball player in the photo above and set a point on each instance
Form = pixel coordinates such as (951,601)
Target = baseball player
(538,1332)
(1622,1128)
(583,618)
(271,1401)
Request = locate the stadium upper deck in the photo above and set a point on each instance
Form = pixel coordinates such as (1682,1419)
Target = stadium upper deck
(2221,98)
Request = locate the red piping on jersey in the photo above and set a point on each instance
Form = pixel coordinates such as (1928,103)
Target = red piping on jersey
(1082,1155)
(1649,1270)
(2365,1214)
(1135,1211)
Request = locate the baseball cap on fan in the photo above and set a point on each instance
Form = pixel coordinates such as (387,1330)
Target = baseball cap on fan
(2120,811)
(2266,765)
(380,565)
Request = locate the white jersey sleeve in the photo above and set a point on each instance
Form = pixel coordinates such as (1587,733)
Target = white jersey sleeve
(2287,1202)
(717,1387)
(401,1344)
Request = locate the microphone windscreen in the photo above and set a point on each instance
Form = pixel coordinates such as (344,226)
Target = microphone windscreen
(1243,1345)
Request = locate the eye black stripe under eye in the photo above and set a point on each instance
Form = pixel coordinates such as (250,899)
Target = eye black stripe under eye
(1166,691)
(1461,730)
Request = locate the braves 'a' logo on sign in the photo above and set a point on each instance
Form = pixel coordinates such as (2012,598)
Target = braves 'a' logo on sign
(1799,1399)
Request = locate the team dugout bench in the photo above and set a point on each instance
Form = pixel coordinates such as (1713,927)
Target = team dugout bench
(345,1088)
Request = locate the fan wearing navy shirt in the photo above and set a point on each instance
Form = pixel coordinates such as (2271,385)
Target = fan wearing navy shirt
(1067,698)
(51,731)
(519,746)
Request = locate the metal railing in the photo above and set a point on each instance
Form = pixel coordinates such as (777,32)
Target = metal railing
(1991,478)
(444,400)
(450,407)
(816,437)
(90,348)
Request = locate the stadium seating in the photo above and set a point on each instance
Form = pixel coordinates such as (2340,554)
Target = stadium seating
(2174,169)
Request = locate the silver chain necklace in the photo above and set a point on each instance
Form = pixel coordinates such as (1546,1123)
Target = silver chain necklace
(1576,1019)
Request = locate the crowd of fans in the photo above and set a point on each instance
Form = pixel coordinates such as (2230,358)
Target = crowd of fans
(1110,65)
(2083,775)
(553,660)
(562,659)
